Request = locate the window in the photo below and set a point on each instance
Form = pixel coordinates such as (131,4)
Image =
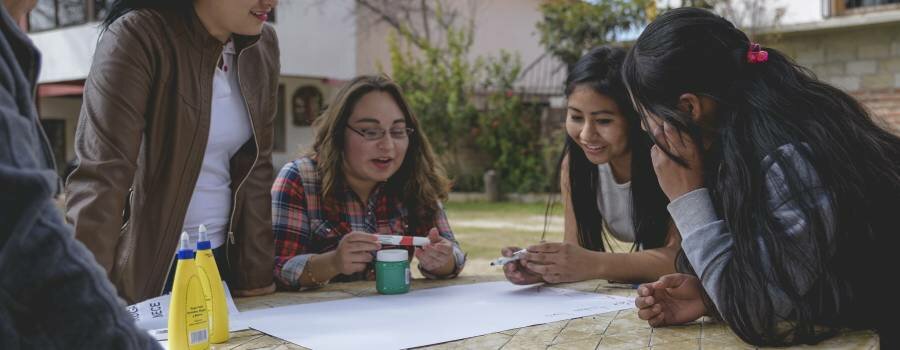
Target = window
(56,134)
(52,14)
(863,3)
(70,12)
(845,7)
(307,104)
(43,16)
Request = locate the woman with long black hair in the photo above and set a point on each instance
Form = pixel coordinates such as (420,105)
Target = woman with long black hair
(176,132)
(607,184)
(784,188)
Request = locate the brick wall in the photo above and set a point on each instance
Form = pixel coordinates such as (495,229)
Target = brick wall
(884,103)
(864,61)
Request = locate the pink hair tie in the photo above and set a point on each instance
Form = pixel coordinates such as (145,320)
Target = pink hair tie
(756,54)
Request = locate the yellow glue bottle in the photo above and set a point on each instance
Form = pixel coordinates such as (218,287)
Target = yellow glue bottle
(188,318)
(212,289)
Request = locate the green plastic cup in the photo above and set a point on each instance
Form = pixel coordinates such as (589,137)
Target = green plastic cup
(392,271)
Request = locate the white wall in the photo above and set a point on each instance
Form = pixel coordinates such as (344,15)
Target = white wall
(317,38)
(67,52)
(796,11)
(499,25)
(297,139)
(508,25)
(802,11)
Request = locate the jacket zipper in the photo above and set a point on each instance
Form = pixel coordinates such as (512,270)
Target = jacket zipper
(129,204)
(255,158)
(168,272)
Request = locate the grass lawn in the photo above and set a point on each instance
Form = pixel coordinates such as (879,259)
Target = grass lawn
(482,229)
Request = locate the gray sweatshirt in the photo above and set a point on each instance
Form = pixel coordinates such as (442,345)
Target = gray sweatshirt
(708,244)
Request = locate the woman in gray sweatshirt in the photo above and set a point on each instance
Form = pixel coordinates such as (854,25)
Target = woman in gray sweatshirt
(783,187)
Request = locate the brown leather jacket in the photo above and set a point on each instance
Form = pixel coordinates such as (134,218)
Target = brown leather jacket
(140,143)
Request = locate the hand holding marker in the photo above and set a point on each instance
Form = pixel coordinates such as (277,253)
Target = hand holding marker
(518,254)
(402,240)
(505,260)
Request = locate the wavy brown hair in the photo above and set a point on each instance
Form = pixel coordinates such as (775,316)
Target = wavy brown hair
(420,182)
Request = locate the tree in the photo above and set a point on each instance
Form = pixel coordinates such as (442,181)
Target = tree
(510,130)
(572,27)
(462,102)
(438,83)
(422,22)
(752,16)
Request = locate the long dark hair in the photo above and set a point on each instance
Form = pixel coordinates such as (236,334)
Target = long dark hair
(761,108)
(119,8)
(599,70)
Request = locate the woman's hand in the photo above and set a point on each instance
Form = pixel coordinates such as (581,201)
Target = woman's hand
(516,272)
(559,262)
(675,179)
(673,299)
(436,257)
(354,252)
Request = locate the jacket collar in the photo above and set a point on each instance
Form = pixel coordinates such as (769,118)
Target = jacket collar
(201,38)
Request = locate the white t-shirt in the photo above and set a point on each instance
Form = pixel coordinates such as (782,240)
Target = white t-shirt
(229,129)
(614,203)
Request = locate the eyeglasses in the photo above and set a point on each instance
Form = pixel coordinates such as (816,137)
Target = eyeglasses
(372,134)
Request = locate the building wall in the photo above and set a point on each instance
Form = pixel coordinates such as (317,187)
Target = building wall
(65,109)
(864,61)
(800,11)
(508,25)
(795,11)
(59,116)
(66,53)
(499,24)
(317,38)
(299,139)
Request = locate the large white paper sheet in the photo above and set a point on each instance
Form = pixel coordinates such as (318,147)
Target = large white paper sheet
(427,316)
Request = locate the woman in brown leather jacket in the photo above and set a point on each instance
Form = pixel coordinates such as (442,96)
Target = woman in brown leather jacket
(176,132)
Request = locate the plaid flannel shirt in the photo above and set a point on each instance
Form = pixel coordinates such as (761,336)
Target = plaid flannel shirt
(306,224)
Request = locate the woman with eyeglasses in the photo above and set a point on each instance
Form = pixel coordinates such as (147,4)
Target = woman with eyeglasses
(371,170)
